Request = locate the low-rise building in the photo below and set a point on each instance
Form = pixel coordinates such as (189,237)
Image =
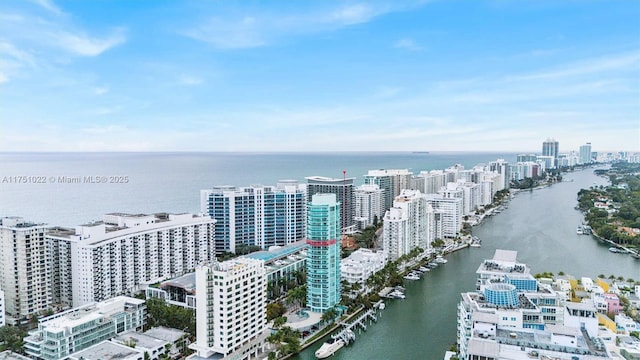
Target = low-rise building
(361,264)
(60,335)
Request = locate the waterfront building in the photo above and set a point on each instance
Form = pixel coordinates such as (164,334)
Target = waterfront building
(361,264)
(25,269)
(392,181)
(522,170)
(526,158)
(501,167)
(451,213)
(409,224)
(369,201)
(230,309)
(256,215)
(585,154)
(344,192)
(323,255)
(550,148)
(116,256)
(60,335)
(469,192)
(546,162)
(508,299)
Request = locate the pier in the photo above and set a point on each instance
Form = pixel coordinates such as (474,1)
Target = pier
(347,334)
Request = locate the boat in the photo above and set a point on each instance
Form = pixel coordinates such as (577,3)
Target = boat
(396,294)
(579,230)
(636,255)
(424,269)
(617,250)
(412,276)
(475,244)
(329,348)
(381,306)
(440,260)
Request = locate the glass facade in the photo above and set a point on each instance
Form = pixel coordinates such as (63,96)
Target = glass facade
(323,256)
(501,294)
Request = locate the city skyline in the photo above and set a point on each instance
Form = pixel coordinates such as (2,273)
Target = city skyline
(318,76)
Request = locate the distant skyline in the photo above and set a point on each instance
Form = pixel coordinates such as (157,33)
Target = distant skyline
(319,76)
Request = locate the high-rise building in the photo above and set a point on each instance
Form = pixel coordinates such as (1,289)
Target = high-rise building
(392,181)
(409,224)
(256,215)
(344,191)
(71,331)
(550,147)
(115,256)
(369,205)
(3,318)
(323,256)
(501,167)
(451,213)
(230,309)
(585,153)
(526,157)
(25,269)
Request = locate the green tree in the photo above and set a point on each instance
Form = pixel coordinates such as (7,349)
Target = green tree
(275,310)
(12,336)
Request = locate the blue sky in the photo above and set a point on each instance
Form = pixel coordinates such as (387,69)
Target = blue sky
(318,75)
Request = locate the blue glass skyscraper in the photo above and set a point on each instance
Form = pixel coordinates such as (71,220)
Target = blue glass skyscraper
(323,256)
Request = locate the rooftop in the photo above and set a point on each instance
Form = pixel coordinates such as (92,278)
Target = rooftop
(107,350)
(141,340)
(278,253)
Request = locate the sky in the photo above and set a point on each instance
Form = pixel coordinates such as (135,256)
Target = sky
(319,75)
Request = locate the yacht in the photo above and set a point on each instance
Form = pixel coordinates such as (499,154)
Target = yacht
(412,276)
(424,269)
(440,260)
(396,294)
(579,230)
(329,348)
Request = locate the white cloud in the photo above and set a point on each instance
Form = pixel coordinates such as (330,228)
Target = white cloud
(81,44)
(49,6)
(260,29)
(407,44)
(354,14)
(3,78)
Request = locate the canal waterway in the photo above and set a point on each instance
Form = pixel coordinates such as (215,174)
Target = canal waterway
(539,224)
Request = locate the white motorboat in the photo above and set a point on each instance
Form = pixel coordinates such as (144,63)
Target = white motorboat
(396,294)
(424,269)
(412,276)
(440,260)
(329,348)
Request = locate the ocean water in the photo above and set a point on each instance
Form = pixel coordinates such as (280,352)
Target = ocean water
(31,184)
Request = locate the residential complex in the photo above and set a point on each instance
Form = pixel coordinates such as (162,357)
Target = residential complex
(323,256)
(60,335)
(585,154)
(361,264)
(344,192)
(25,269)
(550,148)
(392,181)
(230,309)
(100,260)
(256,215)
(512,316)
(369,201)
(408,225)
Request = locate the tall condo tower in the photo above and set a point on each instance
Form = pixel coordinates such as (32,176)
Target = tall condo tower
(344,191)
(323,256)
(550,148)
(25,269)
